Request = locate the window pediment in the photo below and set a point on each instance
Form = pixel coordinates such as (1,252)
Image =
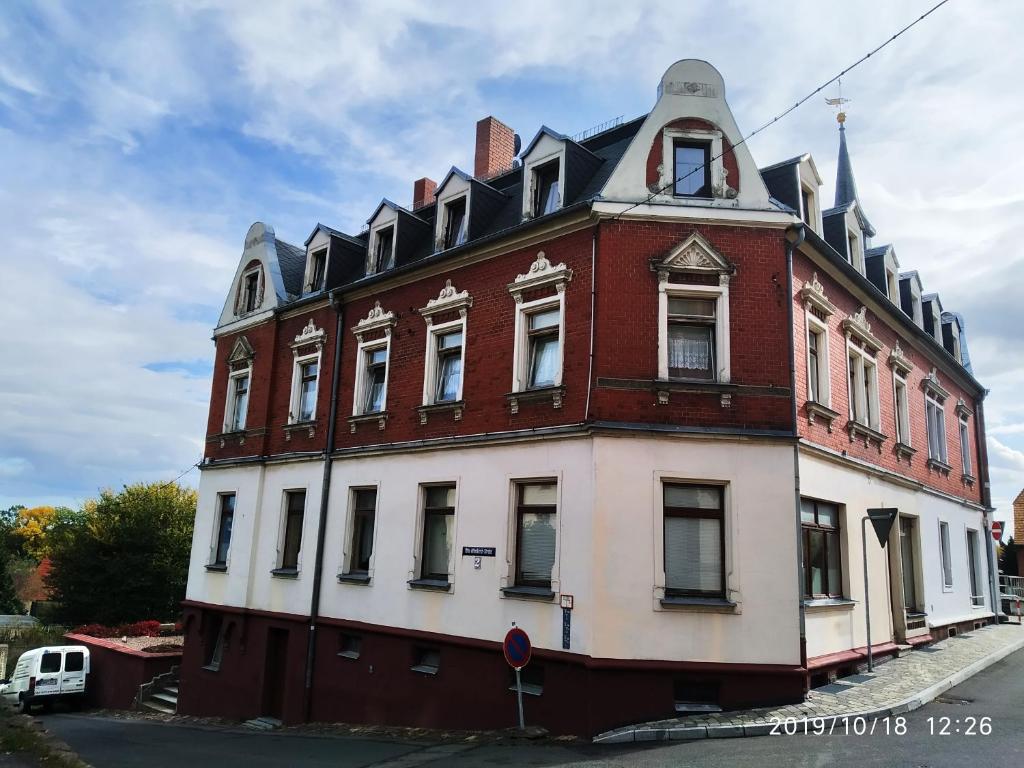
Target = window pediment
(376,319)
(813,295)
(541,273)
(899,361)
(858,327)
(694,254)
(448,299)
(309,335)
(241,352)
(930,383)
(962,410)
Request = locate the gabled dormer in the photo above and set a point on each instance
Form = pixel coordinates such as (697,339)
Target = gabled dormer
(952,335)
(932,307)
(555,171)
(796,184)
(883,270)
(848,231)
(395,235)
(465,206)
(911,292)
(318,249)
(269,271)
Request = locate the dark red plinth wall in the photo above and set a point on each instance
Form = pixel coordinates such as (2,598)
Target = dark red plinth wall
(581,695)
(115,673)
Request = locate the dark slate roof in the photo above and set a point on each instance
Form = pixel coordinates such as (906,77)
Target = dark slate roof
(965,356)
(783,163)
(879,250)
(292,261)
(846,186)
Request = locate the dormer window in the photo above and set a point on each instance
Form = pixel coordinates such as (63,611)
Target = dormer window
(251,290)
(318,268)
(384,250)
(546,194)
(692,169)
(455,227)
(805,204)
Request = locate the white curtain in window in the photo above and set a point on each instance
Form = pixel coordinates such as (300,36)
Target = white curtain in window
(545,361)
(537,546)
(689,348)
(439,536)
(448,380)
(693,554)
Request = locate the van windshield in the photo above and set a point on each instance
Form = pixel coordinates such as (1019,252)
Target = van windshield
(50,662)
(74,661)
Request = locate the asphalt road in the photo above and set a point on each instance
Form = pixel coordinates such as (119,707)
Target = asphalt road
(996,693)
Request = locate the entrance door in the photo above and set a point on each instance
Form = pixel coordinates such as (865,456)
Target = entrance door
(274,673)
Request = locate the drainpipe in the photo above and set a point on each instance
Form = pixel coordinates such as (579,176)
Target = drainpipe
(593,296)
(325,489)
(794,236)
(986,500)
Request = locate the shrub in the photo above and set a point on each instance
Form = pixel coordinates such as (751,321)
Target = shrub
(150,628)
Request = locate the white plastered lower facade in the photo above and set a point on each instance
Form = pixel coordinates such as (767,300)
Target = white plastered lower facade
(608,550)
(840,627)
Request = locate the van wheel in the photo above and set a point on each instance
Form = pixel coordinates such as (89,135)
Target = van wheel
(48,706)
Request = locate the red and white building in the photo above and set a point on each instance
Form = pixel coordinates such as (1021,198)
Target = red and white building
(632,368)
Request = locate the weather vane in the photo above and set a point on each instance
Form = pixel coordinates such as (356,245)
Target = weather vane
(838,103)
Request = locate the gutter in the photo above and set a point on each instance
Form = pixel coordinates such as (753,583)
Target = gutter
(325,490)
(986,500)
(794,237)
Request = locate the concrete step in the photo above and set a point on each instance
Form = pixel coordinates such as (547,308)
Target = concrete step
(158,707)
(903,650)
(166,699)
(171,689)
(263,723)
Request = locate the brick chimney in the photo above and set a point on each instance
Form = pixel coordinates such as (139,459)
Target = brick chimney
(423,192)
(495,148)
(1018,519)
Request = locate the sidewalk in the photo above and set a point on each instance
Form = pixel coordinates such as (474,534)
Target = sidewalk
(897,686)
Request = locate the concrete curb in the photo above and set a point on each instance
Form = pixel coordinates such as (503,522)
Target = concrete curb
(918,700)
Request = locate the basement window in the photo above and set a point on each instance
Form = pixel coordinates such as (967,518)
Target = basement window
(426,661)
(695,695)
(350,646)
(532,678)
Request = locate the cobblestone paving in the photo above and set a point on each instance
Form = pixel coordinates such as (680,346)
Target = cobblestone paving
(896,686)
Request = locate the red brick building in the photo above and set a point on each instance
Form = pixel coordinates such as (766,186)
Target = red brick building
(633,370)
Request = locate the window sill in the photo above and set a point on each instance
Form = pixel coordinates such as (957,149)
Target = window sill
(211,667)
(431,585)
(555,394)
(381,417)
(238,436)
(354,578)
(285,573)
(348,654)
(540,594)
(216,568)
(856,430)
(947,589)
(423,670)
(939,466)
(300,426)
(829,602)
(816,410)
(725,391)
(529,689)
(904,451)
(710,604)
(967,480)
(456,407)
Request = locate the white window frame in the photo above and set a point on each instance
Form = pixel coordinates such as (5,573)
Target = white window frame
(421,509)
(931,398)
(363,348)
(945,557)
(310,272)
(668,161)
(218,513)
(856,250)
(866,404)
(508,578)
(345,567)
(296,396)
(899,381)
(529,170)
(282,528)
(443,220)
(521,343)
(817,326)
(974,567)
(258,271)
(431,359)
(720,295)
(965,444)
(373,266)
(229,406)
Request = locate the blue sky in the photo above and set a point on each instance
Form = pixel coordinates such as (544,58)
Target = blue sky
(139,140)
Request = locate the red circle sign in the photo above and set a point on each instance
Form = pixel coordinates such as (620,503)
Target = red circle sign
(517,648)
(997,530)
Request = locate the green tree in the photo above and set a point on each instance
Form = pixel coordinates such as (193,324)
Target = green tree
(123,557)
(9,602)
(1008,558)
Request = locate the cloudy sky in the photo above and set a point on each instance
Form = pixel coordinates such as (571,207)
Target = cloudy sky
(139,140)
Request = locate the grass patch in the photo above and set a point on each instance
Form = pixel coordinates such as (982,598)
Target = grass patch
(20,736)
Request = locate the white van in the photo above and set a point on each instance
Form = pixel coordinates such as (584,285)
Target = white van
(44,675)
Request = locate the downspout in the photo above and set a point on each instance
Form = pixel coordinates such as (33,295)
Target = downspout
(794,236)
(325,489)
(593,294)
(986,500)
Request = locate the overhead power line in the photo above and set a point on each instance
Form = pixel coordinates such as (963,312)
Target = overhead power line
(785,112)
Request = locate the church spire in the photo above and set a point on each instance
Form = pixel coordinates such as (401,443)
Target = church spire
(846,186)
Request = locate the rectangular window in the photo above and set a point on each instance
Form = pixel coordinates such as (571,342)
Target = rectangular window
(545,189)
(863,388)
(902,410)
(808,212)
(455,228)
(947,563)
(535,533)
(251,292)
(974,566)
(226,518)
(438,531)
(545,361)
(856,413)
(364,511)
(823,574)
(868,381)
(317,271)
(426,660)
(384,253)
(375,391)
(306,406)
(965,446)
(691,338)
(350,646)
(936,424)
(692,171)
(239,402)
(449,367)
(295,509)
(694,531)
(74,661)
(908,548)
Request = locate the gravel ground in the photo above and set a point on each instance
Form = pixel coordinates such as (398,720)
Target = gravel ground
(141,643)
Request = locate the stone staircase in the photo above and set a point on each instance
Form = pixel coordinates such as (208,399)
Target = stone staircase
(160,694)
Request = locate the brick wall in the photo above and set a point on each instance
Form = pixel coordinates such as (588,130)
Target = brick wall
(1018,519)
(838,439)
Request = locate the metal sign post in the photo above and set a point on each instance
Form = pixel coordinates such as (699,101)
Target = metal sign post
(519,699)
(881,520)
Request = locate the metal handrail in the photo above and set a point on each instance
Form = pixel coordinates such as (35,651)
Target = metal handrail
(1011,586)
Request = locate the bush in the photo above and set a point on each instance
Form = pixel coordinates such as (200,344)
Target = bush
(149,628)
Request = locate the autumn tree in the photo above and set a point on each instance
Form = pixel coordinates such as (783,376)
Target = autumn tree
(123,557)
(30,528)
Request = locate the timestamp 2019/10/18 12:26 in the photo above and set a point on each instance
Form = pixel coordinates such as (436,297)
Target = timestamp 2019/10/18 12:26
(884,726)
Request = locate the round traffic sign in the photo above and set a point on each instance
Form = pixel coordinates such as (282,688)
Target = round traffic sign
(517,648)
